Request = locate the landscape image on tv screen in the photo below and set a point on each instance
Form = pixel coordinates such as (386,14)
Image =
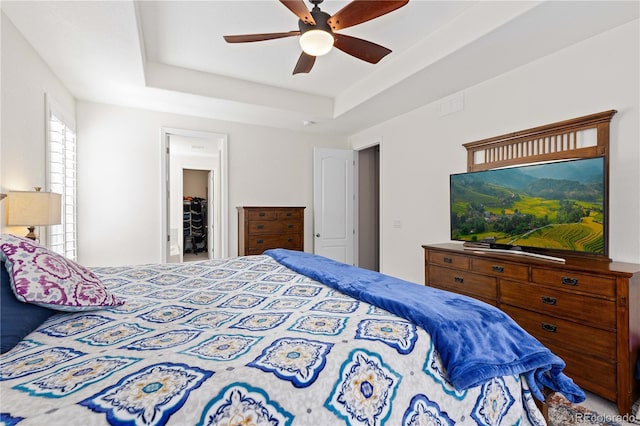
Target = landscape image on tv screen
(559,206)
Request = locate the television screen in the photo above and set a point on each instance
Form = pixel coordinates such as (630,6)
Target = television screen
(558,206)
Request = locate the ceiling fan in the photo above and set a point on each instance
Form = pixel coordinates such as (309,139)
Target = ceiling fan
(317,30)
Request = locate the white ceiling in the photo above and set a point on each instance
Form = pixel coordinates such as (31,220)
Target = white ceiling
(170,55)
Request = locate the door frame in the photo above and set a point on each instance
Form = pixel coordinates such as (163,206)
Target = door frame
(222,139)
(212,214)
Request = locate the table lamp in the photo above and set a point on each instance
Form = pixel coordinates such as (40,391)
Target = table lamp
(34,208)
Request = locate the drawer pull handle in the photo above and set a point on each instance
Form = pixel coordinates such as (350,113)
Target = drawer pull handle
(549,327)
(260,241)
(448,260)
(288,214)
(496,268)
(260,226)
(459,280)
(262,214)
(569,281)
(549,300)
(290,225)
(290,240)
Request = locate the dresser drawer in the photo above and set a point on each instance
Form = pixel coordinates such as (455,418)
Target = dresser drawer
(598,312)
(272,227)
(591,373)
(492,302)
(284,214)
(551,330)
(501,269)
(261,214)
(463,282)
(601,286)
(448,259)
(260,242)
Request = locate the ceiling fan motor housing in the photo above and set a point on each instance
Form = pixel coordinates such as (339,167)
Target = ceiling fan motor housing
(321,19)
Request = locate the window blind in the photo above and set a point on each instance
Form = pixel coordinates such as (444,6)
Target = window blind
(61,178)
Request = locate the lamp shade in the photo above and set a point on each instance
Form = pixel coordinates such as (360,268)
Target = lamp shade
(316,42)
(34,208)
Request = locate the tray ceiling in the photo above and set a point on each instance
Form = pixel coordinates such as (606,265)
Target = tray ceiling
(170,55)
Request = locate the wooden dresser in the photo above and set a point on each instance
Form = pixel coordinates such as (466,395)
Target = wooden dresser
(262,228)
(586,311)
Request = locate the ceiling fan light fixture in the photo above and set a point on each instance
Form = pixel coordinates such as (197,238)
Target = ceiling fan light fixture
(316,42)
(316,30)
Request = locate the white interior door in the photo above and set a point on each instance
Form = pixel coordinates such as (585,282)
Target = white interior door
(333,199)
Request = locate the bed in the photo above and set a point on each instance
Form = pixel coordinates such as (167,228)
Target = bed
(283,338)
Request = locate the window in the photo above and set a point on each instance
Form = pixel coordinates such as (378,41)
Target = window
(61,178)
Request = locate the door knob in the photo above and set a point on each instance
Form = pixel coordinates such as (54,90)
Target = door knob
(318,235)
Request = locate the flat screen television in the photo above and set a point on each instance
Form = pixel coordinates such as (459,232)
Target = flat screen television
(559,206)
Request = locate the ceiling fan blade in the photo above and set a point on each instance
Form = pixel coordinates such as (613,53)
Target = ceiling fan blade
(247,38)
(361,49)
(305,63)
(300,10)
(359,11)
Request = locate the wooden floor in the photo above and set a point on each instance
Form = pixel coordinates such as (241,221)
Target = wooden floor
(190,257)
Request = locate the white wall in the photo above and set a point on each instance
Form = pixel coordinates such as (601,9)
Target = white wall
(420,149)
(119,175)
(25,78)
(195,183)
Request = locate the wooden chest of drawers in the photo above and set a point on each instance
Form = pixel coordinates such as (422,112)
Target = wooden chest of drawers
(262,228)
(586,311)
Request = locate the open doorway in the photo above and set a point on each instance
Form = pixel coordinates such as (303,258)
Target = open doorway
(195,213)
(195,218)
(368,187)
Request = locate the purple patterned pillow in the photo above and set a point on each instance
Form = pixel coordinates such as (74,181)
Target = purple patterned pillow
(45,278)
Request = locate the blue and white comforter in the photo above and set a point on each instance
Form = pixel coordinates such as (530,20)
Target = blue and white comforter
(240,341)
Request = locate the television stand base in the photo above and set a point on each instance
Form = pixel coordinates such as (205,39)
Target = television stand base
(516,252)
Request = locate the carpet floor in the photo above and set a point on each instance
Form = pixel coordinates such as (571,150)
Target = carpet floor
(564,413)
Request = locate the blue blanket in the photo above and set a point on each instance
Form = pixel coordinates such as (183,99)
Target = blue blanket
(475,341)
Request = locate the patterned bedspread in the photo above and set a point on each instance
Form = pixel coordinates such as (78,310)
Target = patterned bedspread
(240,341)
